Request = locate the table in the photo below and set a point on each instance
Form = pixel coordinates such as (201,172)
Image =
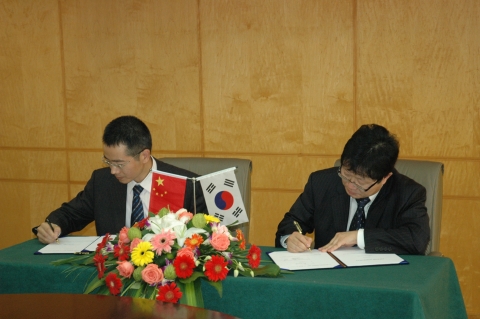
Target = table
(65,306)
(426,288)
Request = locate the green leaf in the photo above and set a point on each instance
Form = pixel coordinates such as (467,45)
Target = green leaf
(94,284)
(193,277)
(192,294)
(218,286)
(81,259)
(271,270)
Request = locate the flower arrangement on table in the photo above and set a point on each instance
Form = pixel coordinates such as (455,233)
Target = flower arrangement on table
(166,255)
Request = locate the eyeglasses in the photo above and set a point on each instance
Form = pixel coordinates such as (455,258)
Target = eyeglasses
(121,164)
(356,185)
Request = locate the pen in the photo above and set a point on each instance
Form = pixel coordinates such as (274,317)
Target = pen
(299,229)
(51,226)
(298,226)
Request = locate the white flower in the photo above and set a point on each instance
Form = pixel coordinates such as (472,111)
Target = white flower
(170,222)
(235,273)
(241,267)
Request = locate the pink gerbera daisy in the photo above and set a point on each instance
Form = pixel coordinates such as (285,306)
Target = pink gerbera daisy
(163,242)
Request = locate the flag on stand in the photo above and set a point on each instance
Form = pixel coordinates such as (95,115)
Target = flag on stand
(223,197)
(167,190)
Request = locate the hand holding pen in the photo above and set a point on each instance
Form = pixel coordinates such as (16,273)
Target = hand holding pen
(51,227)
(297,242)
(47,232)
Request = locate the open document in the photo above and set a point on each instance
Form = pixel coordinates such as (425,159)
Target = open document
(341,258)
(72,245)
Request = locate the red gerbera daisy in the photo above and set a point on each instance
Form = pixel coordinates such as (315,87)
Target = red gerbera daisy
(216,268)
(113,283)
(103,243)
(169,293)
(121,251)
(254,254)
(241,239)
(99,260)
(184,266)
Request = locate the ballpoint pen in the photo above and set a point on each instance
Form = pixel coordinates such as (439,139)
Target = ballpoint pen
(299,229)
(51,226)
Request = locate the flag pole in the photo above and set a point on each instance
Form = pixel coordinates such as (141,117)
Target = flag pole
(194,197)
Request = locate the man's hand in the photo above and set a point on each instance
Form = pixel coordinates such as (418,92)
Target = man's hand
(297,242)
(343,239)
(46,235)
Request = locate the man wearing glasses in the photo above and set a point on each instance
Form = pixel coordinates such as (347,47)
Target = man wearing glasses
(364,202)
(108,198)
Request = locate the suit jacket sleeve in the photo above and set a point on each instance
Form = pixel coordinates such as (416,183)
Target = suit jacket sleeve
(301,211)
(397,221)
(76,214)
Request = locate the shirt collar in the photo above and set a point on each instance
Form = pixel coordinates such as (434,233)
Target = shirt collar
(147,181)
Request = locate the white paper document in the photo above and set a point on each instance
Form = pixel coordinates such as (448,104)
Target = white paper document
(313,259)
(341,258)
(72,245)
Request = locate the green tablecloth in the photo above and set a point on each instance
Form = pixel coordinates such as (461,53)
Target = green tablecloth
(426,288)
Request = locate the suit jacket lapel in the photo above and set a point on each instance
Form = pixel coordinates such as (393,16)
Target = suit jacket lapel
(340,208)
(119,206)
(378,206)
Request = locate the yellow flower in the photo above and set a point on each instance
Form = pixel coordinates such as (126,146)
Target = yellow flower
(142,254)
(212,219)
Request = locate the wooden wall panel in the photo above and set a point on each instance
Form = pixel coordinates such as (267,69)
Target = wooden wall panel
(31,97)
(462,178)
(24,205)
(276,75)
(269,208)
(284,83)
(130,57)
(460,217)
(286,172)
(32,165)
(414,73)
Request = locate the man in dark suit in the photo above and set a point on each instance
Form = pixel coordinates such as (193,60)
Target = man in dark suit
(364,202)
(107,198)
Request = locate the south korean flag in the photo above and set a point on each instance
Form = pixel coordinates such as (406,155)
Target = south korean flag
(223,197)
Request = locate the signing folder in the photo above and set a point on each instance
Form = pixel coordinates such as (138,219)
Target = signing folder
(72,245)
(340,258)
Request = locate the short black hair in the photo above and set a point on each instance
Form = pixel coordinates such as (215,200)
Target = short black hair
(129,131)
(372,151)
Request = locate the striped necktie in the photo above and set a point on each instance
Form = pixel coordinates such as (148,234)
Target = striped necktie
(358,220)
(137,206)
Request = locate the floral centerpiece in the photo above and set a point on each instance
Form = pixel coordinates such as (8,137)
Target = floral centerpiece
(166,255)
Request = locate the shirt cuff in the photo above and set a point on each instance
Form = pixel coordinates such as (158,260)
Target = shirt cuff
(360,239)
(283,240)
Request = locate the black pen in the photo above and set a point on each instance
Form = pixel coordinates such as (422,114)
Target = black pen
(299,229)
(51,226)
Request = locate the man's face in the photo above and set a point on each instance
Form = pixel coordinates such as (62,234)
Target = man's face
(127,168)
(358,186)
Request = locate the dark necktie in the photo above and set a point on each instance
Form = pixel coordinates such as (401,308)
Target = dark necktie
(358,220)
(137,206)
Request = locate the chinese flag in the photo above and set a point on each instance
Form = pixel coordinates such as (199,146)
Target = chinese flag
(167,190)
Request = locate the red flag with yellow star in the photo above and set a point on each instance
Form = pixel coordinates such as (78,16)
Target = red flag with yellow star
(167,190)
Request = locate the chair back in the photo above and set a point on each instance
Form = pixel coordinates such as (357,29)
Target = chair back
(207,165)
(429,175)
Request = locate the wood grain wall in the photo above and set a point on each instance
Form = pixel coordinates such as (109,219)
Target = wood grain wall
(283,83)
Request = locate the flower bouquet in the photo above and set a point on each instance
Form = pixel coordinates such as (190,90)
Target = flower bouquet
(166,255)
